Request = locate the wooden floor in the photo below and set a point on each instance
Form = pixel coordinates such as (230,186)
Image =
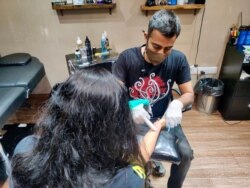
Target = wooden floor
(221,151)
(30,110)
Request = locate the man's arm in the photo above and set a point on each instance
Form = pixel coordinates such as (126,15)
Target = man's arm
(187,93)
(174,115)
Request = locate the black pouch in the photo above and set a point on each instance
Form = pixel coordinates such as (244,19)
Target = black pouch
(166,146)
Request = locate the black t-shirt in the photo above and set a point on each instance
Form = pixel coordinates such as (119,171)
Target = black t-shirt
(154,83)
(127,178)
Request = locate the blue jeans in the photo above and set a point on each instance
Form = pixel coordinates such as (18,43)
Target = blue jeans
(179,172)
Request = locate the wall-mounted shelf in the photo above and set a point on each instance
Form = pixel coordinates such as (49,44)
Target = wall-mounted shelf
(61,8)
(172,7)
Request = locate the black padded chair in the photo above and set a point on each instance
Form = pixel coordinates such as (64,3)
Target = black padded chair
(19,75)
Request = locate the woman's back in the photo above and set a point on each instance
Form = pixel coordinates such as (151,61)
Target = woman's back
(86,136)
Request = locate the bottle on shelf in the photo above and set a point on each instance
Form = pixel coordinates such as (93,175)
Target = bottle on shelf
(191,1)
(89,1)
(107,41)
(150,3)
(81,48)
(180,2)
(79,44)
(59,2)
(78,2)
(172,2)
(78,56)
(242,35)
(69,2)
(84,53)
(108,1)
(88,49)
(104,42)
(99,1)
(247,39)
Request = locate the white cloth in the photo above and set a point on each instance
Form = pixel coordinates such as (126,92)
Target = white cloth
(174,113)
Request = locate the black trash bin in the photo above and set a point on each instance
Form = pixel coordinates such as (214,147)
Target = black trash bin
(208,91)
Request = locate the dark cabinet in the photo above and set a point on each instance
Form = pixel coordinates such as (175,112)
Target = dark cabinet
(235,103)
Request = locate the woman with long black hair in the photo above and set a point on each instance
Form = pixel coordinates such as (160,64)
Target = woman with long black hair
(85,137)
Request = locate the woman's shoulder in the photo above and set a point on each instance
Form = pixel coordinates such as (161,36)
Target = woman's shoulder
(27,144)
(132,176)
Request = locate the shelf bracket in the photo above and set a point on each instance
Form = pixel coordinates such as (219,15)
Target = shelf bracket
(60,11)
(195,11)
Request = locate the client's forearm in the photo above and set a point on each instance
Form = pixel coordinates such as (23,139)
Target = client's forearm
(148,142)
(6,184)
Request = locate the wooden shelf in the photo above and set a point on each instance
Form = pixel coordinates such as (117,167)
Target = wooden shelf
(172,7)
(61,8)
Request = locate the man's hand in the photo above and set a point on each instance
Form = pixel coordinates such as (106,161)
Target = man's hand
(174,113)
(140,115)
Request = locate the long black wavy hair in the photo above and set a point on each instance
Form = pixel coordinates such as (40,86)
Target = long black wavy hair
(86,135)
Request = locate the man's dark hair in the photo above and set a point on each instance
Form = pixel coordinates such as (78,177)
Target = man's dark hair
(166,22)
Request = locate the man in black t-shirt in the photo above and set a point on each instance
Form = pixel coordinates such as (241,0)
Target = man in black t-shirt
(150,71)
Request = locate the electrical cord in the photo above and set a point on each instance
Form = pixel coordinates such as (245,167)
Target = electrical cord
(235,122)
(198,45)
(232,123)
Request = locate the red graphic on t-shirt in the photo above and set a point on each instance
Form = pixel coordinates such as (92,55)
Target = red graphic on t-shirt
(152,88)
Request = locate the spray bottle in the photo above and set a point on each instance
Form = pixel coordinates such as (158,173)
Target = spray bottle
(107,40)
(103,43)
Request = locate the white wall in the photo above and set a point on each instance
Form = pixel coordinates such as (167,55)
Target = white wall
(32,26)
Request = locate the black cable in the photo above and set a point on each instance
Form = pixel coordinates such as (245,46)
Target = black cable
(198,44)
(197,73)
(232,123)
(241,18)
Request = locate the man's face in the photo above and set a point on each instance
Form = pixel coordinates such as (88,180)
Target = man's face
(158,47)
